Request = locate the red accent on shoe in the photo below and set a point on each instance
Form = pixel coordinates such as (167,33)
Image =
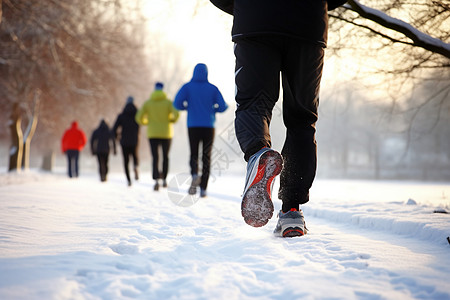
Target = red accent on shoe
(293,232)
(259,174)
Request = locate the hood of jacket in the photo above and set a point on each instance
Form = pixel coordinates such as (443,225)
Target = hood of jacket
(130,109)
(103,125)
(158,95)
(200,73)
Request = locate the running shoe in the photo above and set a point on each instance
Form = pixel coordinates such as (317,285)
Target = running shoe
(290,224)
(262,167)
(194,184)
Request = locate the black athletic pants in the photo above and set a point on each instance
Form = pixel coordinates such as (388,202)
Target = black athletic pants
(72,162)
(155,145)
(204,135)
(259,61)
(128,151)
(103,165)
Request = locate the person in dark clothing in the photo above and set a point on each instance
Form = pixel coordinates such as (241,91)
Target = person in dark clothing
(202,100)
(273,37)
(101,140)
(72,143)
(127,129)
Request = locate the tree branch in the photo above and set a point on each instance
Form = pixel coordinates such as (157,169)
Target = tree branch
(419,38)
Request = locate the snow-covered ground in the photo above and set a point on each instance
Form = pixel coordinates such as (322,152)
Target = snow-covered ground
(83,239)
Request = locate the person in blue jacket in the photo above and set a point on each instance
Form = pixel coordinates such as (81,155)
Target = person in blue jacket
(202,100)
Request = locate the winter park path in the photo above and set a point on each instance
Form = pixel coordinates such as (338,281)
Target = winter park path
(81,239)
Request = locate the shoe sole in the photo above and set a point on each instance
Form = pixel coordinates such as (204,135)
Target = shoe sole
(292,231)
(257,206)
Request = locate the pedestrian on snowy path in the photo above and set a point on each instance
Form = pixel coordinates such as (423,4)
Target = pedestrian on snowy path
(127,129)
(72,143)
(101,141)
(273,37)
(202,100)
(159,115)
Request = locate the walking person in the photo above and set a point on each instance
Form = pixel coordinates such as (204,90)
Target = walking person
(73,141)
(202,100)
(273,37)
(159,115)
(127,129)
(101,141)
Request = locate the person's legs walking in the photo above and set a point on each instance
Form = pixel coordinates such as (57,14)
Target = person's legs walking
(154,146)
(135,161)
(207,145)
(75,156)
(165,143)
(302,71)
(102,165)
(301,75)
(69,155)
(257,76)
(126,152)
(194,142)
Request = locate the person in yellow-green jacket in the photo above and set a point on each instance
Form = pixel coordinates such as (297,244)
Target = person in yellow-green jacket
(158,114)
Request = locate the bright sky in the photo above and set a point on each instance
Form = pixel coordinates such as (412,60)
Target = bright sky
(203,32)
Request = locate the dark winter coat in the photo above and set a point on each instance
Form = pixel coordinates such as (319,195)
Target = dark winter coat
(101,140)
(201,99)
(73,138)
(305,19)
(129,132)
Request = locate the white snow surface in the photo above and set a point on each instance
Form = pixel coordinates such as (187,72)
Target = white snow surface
(64,238)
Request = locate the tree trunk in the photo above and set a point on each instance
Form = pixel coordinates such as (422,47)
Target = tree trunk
(29,133)
(16,148)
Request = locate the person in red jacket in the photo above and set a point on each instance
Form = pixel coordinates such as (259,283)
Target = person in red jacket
(72,143)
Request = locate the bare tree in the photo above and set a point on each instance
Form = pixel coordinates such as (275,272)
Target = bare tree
(82,58)
(411,35)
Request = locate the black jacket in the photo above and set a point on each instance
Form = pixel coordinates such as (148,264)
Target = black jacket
(129,127)
(303,19)
(101,139)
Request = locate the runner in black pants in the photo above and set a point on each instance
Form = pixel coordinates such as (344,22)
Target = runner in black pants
(260,62)
(155,145)
(129,137)
(273,37)
(127,152)
(202,100)
(102,140)
(159,115)
(205,136)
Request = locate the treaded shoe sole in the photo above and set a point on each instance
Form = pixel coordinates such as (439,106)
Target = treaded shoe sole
(291,230)
(257,206)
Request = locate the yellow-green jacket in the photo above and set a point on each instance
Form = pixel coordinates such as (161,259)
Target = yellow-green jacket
(158,114)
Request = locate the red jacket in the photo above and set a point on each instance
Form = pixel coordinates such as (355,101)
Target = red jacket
(73,139)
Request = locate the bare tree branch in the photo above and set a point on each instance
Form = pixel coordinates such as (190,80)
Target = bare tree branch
(419,38)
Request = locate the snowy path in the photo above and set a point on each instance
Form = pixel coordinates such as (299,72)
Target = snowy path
(80,239)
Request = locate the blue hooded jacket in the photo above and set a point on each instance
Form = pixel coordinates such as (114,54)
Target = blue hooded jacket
(201,99)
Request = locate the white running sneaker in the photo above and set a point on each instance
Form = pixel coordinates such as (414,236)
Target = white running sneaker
(262,167)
